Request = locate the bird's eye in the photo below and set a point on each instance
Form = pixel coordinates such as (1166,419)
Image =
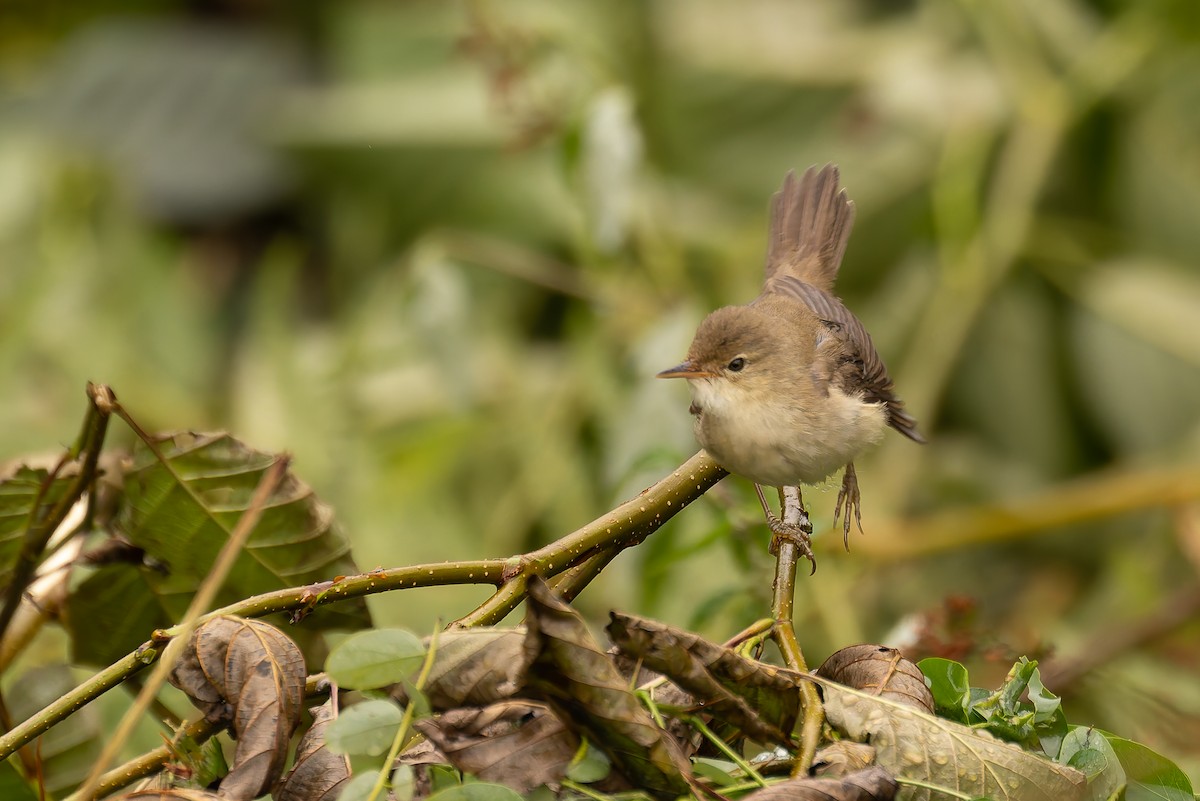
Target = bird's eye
(737,364)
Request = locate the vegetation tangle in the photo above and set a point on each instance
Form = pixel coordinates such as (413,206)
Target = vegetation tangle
(187,522)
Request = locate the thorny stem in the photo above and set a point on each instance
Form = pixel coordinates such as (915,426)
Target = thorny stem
(782,605)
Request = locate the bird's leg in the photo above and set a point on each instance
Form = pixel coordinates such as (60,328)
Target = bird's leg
(849,496)
(798,533)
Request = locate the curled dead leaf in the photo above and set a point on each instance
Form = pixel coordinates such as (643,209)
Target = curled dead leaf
(564,666)
(520,744)
(248,674)
(318,774)
(473,667)
(872,784)
(843,758)
(174,794)
(879,670)
(759,699)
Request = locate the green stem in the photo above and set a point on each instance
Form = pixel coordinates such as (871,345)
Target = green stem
(782,608)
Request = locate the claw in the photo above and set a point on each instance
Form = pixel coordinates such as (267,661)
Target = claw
(848,500)
(797,533)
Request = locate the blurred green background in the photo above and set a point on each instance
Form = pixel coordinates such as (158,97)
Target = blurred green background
(439,250)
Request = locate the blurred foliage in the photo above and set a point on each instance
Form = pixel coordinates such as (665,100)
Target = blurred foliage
(438,250)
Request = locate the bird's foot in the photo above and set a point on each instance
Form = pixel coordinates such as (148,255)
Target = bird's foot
(848,500)
(800,534)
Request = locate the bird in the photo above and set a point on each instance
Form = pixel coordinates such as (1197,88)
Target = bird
(788,389)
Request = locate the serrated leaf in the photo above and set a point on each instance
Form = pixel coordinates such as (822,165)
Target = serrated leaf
(19,490)
(367,728)
(111,607)
(182,512)
(912,744)
(375,658)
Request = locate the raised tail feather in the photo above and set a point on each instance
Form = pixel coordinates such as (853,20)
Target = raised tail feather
(810,224)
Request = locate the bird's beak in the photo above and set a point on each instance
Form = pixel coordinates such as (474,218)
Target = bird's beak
(684,370)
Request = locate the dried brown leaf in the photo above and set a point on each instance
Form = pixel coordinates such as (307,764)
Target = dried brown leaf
(872,784)
(318,774)
(879,670)
(520,744)
(566,668)
(912,744)
(474,667)
(843,758)
(759,699)
(248,674)
(173,794)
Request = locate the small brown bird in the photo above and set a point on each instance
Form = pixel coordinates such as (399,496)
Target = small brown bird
(789,388)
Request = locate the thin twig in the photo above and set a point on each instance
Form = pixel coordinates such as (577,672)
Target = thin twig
(782,606)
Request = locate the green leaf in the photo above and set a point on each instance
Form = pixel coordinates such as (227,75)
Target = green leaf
(1045,703)
(950,686)
(404,783)
(182,510)
(476,791)
(12,786)
(1149,775)
(367,728)
(18,495)
(359,787)
(375,658)
(1039,724)
(589,765)
(1087,749)
(109,611)
(716,771)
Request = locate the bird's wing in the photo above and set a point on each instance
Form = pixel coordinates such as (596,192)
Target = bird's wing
(856,366)
(810,224)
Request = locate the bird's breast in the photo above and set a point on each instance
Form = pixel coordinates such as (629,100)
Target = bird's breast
(782,441)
